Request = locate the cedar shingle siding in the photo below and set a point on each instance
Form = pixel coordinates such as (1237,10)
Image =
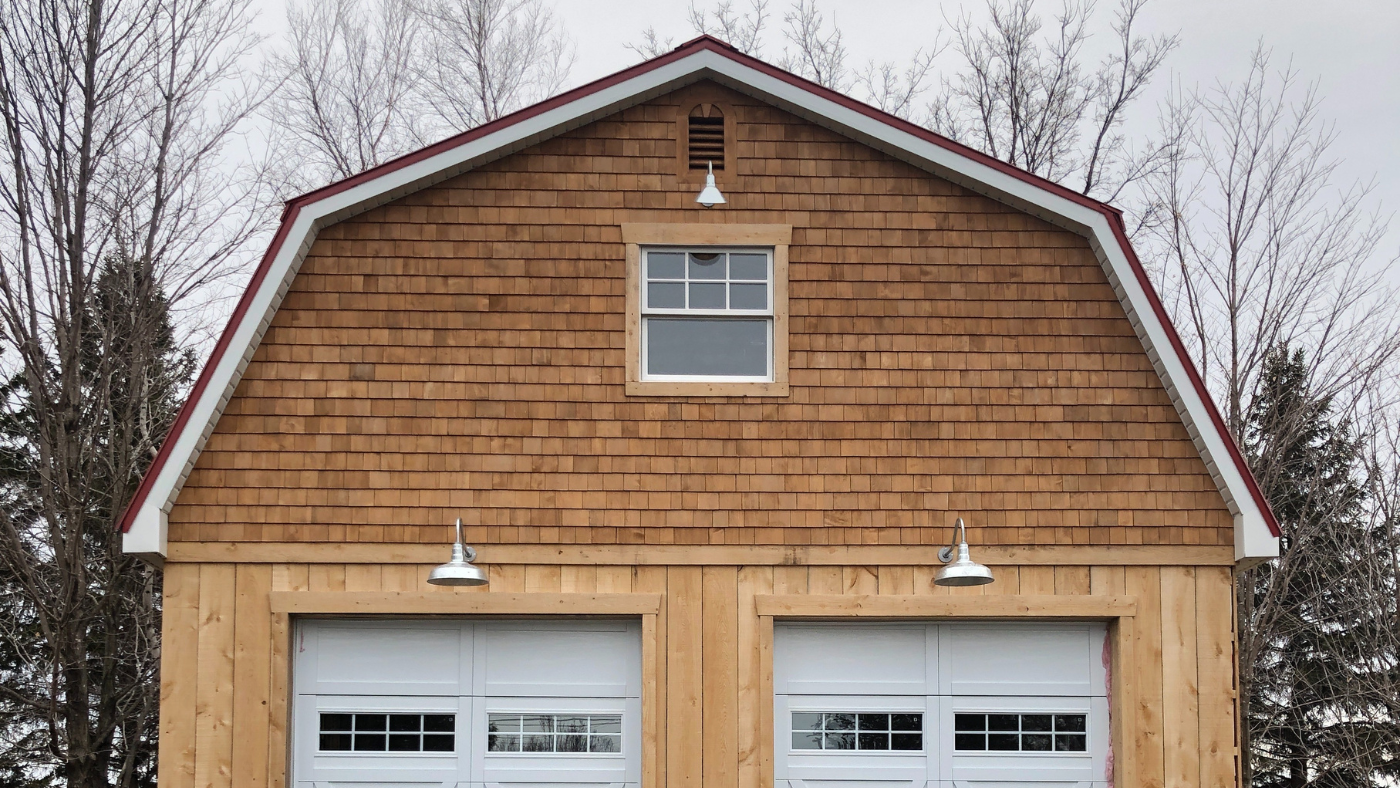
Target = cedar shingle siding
(460,352)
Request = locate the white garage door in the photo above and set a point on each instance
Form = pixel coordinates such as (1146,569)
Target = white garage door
(443,702)
(915,705)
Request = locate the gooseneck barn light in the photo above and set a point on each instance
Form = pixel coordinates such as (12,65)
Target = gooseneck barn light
(963,571)
(459,571)
(710,196)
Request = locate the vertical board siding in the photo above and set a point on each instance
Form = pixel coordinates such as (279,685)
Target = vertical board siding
(225,680)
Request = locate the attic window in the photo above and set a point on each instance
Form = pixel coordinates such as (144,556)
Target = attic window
(706,137)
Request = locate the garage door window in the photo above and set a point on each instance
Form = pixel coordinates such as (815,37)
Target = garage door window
(835,730)
(1020,732)
(375,732)
(555,733)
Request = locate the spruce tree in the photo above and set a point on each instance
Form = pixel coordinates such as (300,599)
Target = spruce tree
(1316,631)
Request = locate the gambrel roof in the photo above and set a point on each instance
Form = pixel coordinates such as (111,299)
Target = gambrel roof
(145,521)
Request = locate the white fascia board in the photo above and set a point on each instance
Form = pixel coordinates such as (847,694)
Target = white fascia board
(147,534)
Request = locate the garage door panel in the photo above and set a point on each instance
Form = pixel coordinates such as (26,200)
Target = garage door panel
(979,659)
(854,782)
(369,740)
(381,658)
(598,659)
(839,659)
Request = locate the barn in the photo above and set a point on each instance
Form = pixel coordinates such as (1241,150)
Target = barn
(709,361)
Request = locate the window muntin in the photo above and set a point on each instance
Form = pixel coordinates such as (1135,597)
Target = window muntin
(386,732)
(1000,732)
(707,314)
(836,730)
(554,733)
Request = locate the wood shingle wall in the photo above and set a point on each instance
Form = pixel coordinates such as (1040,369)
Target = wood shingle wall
(459,352)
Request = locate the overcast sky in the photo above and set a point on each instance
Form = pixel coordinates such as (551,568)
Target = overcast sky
(1348,46)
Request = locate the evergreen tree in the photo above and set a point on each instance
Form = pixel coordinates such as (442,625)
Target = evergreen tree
(80,644)
(1317,627)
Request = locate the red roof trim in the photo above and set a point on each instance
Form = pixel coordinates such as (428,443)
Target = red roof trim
(709,43)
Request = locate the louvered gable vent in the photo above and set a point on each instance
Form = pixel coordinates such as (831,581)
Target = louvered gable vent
(706,137)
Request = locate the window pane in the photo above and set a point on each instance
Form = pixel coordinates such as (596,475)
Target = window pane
(538,724)
(369,722)
(572,743)
(907,741)
(1035,722)
(331,742)
(438,722)
(970,741)
(438,742)
(543,743)
(1069,722)
(907,722)
(1036,742)
(840,741)
(969,722)
(605,744)
(874,741)
(571,724)
(712,347)
(806,721)
(665,265)
(874,722)
(403,742)
(1003,722)
(605,724)
(840,722)
(706,296)
(748,296)
(336,722)
(1003,741)
(503,722)
(805,741)
(405,722)
(666,295)
(748,266)
(707,265)
(369,743)
(1073,742)
(499,743)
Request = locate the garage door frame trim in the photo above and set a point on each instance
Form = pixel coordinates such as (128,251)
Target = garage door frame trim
(283,605)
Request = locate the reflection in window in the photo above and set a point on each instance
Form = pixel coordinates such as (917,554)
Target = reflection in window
(379,732)
(835,730)
(1020,733)
(554,733)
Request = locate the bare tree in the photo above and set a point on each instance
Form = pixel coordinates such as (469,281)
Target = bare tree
(814,50)
(1032,101)
(119,201)
(349,80)
(490,57)
(366,81)
(1258,252)
(1259,247)
(744,32)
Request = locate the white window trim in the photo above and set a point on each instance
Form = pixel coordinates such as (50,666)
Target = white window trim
(737,314)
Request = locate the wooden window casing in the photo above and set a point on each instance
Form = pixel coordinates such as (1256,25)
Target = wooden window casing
(775,237)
